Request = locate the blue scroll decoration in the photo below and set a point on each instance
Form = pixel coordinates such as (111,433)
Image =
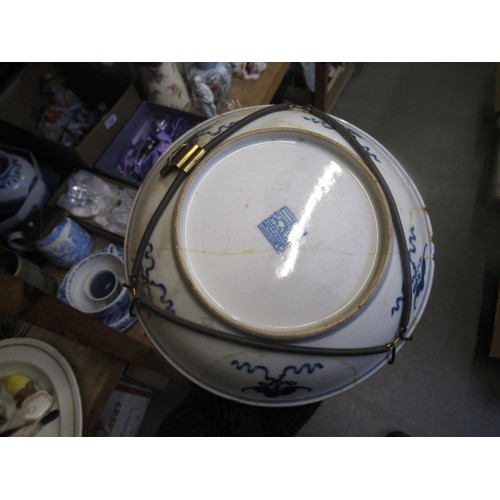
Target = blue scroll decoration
(273,387)
(150,283)
(213,133)
(352,132)
(418,272)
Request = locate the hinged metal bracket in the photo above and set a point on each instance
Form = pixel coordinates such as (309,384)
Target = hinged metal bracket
(185,158)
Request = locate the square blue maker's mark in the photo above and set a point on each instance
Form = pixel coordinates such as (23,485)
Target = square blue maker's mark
(277,227)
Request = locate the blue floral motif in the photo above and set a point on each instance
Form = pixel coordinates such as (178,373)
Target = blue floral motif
(273,387)
(418,272)
(12,175)
(149,283)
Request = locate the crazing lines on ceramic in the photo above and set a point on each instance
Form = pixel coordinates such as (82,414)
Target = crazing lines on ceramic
(248,243)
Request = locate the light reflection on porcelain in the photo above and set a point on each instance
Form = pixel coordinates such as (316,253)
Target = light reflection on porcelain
(325,183)
(234,371)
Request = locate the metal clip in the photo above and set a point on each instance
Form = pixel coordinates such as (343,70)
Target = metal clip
(132,286)
(186,157)
(392,357)
(391,346)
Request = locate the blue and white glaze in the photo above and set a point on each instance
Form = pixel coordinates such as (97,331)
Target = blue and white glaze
(67,244)
(418,275)
(277,227)
(149,284)
(71,291)
(258,376)
(22,187)
(16,182)
(282,385)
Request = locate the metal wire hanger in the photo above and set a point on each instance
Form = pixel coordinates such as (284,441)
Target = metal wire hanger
(188,156)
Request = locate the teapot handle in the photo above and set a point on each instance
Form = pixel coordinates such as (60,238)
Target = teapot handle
(17,241)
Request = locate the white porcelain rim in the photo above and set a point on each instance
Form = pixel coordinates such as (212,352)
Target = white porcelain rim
(192,372)
(52,353)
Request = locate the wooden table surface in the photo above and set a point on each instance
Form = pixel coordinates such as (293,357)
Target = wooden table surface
(97,353)
(262,90)
(97,373)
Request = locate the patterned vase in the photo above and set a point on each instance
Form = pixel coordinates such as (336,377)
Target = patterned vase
(18,179)
(162,83)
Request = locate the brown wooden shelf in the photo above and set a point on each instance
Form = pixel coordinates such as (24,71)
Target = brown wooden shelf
(262,90)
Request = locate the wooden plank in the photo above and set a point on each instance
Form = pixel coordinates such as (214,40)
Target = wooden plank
(328,91)
(56,316)
(262,90)
(97,373)
(51,314)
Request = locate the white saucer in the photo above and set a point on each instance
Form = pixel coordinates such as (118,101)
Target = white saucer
(50,371)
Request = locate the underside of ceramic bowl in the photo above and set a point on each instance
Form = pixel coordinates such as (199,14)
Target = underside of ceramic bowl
(281,233)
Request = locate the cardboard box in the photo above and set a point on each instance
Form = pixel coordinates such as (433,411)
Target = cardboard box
(88,223)
(124,411)
(136,135)
(20,112)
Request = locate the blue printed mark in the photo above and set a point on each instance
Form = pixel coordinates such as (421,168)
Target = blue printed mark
(276,228)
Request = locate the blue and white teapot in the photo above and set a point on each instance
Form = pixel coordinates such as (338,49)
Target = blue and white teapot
(22,187)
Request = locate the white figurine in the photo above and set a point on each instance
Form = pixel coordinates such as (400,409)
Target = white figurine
(202,97)
(248,70)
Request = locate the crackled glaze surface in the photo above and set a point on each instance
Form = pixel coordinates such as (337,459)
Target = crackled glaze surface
(194,274)
(296,225)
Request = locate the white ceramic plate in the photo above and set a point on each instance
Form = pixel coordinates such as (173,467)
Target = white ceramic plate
(182,275)
(50,371)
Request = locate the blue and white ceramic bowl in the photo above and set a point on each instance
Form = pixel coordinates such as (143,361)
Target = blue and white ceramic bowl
(282,233)
(73,288)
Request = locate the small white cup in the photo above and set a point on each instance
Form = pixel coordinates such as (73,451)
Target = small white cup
(102,287)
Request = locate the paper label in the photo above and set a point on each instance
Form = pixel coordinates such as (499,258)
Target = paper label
(110,121)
